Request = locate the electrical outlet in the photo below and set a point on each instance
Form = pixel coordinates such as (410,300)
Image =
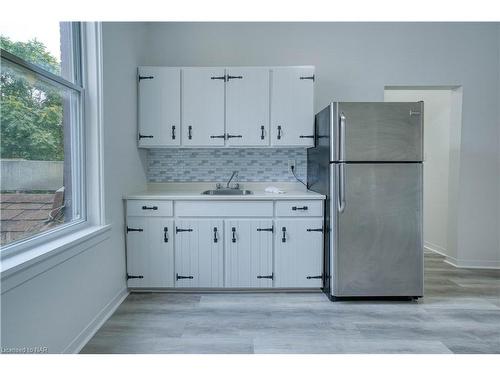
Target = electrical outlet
(291,163)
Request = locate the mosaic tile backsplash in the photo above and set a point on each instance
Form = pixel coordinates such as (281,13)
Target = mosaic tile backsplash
(216,165)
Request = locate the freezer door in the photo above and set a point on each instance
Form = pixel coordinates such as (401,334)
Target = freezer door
(379,131)
(377,247)
(318,157)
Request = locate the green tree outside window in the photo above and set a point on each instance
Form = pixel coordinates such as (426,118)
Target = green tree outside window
(31,111)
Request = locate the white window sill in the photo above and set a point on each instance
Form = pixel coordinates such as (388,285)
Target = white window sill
(17,268)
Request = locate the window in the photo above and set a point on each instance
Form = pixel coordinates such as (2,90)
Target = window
(41,144)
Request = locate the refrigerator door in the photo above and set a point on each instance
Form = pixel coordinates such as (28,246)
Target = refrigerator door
(376,244)
(378,132)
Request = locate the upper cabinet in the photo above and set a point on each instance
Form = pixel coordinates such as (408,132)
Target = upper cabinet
(247,106)
(226,107)
(203,106)
(292,106)
(159,106)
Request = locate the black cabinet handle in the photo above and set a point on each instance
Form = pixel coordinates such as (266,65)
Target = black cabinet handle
(145,77)
(314,277)
(271,276)
(215,235)
(295,208)
(283,239)
(233,136)
(262,132)
(179,277)
(173,131)
(154,208)
(145,136)
(234,77)
(165,234)
(279,131)
(134,229)
(265,229)
(134,277)
(190,135)
(306,136)
(233,229)
(218,136)
(177,230)
(315,230)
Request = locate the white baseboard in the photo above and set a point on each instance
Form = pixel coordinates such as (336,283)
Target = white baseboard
(89,331)
(462,263)
(435,249)
(482,264)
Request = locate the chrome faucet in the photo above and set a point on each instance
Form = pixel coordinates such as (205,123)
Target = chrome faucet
(235,173)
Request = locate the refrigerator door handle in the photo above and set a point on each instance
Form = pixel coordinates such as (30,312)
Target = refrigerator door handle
(341,204)
(342,137)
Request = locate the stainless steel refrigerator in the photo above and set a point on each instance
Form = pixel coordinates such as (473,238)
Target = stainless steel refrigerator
(367,160)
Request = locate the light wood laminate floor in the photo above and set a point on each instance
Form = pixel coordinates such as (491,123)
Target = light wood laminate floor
(460,313)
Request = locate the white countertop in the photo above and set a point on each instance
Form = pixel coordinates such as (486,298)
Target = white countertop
(193,190)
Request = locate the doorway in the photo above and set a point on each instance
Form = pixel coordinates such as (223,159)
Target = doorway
(442,128)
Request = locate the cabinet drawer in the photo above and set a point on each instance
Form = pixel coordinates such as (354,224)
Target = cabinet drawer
(149,208)
(299,208)
(224,208)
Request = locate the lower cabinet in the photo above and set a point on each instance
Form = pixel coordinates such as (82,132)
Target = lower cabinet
(150,252)
(249,253)
(282,247)
(199,253)
(298,260)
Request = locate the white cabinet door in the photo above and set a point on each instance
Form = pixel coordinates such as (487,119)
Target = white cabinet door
(248,253)
(292,111)
(247,106)
(199,246)
(203,106)
(150,254)
(159,106)
(299,253)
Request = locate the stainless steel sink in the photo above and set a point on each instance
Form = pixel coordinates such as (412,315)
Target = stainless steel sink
(227,192)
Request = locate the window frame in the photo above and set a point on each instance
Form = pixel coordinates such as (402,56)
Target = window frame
(78,144)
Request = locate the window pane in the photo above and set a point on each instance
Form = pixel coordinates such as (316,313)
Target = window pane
(47,45)
(39,124)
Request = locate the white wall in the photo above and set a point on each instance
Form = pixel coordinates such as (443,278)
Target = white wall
(354,61)
(55,307)
(437,132)
(59,306)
